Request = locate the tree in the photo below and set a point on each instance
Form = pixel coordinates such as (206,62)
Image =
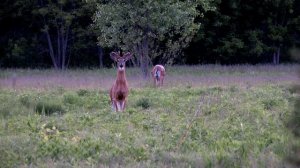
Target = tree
(237,31)
(277,22)
(149,28)
(56,18)
(18,42)
(241,31)
(62,22)
(26,24)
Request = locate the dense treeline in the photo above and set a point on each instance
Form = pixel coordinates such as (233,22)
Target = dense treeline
(59,33)
(247,31)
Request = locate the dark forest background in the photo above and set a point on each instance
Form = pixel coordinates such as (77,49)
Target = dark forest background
(35,33)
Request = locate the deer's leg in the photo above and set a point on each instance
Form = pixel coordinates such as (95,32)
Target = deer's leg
(162,81)
(119,106)
(114,105)
(124,104)
(157,81)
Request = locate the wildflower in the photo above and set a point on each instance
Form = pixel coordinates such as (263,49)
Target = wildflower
(43,126)
(75,139)
(118,135)
(46,138)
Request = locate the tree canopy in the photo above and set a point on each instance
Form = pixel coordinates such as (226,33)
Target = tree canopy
(253,31)
(149,28)
(58,33)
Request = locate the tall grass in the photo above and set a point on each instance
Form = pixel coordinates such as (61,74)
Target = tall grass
(172,126)
(185,76)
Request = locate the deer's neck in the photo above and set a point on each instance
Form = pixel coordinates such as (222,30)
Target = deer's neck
(121,77)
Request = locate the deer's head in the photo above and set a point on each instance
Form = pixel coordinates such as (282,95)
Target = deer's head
(120,59)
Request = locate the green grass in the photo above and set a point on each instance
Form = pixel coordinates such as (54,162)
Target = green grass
(172,126)
(203,70)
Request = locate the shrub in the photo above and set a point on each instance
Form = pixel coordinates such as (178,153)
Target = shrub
(137,153)
(269,104)
(25,100)
(71,98)
(5,111)
(48,107)
(82,92)
(143,102)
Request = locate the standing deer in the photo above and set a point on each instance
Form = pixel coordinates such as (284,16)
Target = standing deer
(119,91)
(158,73)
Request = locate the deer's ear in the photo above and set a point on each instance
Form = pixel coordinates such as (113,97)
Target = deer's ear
(114,56)
(127,56)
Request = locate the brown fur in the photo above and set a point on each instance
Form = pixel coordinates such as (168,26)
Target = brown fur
(158,80)
(119,91)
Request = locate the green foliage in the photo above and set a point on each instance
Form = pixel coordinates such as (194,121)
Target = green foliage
(71,98)
(293,123)
(230,47)
(143,102)
(82,92)
(176,127)
(231,31)
(141,26)
(247,31)
(5,111)
(48,107)
(256,46)
(277,33)
(295,120)
(25,100)
(24,44)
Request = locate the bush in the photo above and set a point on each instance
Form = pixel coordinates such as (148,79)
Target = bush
(25,100)
(82,92)
(143,102)
(269,104)
(71,98)
(48,107)
(5,111)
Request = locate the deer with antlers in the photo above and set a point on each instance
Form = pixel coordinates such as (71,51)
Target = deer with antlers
(119,91)
(158,74)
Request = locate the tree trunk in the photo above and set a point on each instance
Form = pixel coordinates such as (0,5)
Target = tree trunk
(274,58)
(278,55)
(64,47)
(58,58)
(100,54)
(58,55)
(134,60)
(59,48)
(143,52)
(51,52)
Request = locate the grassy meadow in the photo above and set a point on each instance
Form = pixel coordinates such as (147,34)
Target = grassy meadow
(204,116)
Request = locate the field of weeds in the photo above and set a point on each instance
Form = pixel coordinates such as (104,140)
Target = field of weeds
(205,116)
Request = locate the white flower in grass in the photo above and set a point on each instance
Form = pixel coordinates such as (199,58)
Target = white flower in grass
(118,135)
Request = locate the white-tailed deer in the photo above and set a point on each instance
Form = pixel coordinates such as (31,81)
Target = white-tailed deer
(158,73)
(119,91)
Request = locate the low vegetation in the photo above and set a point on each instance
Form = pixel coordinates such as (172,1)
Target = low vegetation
(176,126)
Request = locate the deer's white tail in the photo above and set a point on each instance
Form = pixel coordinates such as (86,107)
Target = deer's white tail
(158,74)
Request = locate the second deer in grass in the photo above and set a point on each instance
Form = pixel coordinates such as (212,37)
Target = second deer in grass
(158,74)
(119,91)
